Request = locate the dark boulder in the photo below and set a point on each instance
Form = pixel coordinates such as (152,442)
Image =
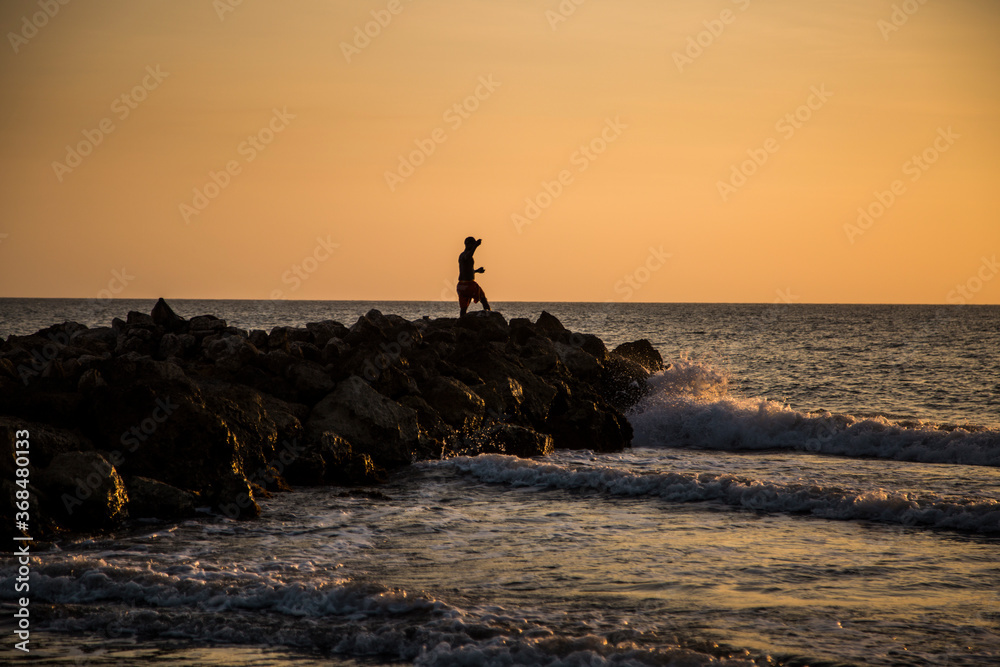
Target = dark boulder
(149,498)
(373,424)
(259,339)
(550,326)
(372,327)
(230,353)
(458,405)
(502,398)
(642,352)
(137,319)
(429,420)
(583,366)
(325,330)
(99,341)
(232,495)
(164,316)
(517,441)
(587,425)
(176,346)
(85,492)
(492,364)
(282,337)
(201,326)
(311,381)
(488,325)
(623,381)
(345,467)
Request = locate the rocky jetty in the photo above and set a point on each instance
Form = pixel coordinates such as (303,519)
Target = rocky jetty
(162,417)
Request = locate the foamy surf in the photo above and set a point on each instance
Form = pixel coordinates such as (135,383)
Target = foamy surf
(689,405)
(742,492)
(340,617)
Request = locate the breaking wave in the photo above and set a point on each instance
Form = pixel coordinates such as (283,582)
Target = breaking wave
(827,502)
(689,405)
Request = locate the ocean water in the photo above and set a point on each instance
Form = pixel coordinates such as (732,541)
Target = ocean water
(809,485)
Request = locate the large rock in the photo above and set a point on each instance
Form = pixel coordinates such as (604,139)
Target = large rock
(330,459)
(642,352)
(149,498)
(164,316)
(283,337)
(323,331)
(488,325)
(230,353)
(549,325)
(502,398)
(310,380)
(517,441)
(46,442)
(85,492)
(430,421)
(458,405)
(372,327)
(233,495)
(374,424)
(99,341)
(202,325)
(587,425)
(581,364)
(623,381)
(538,354)
(178,432)
(176,345)
(492,364)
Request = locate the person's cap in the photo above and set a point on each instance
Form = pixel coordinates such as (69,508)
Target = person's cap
(471,240)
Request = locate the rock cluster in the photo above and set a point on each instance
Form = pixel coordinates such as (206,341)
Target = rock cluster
(161,416)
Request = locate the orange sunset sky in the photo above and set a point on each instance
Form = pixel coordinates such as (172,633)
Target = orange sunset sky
(703,151)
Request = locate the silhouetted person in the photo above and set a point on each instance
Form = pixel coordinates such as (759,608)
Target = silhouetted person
(468,289)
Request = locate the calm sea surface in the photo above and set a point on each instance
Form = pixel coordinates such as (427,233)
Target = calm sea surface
(809,485)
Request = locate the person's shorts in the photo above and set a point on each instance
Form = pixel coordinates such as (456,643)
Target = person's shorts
(469,291)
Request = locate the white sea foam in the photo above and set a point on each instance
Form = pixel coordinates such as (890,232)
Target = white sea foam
(340,617)
(689,405)
(812,499)
(81,580)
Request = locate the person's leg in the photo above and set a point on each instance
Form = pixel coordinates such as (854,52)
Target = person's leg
(482,297)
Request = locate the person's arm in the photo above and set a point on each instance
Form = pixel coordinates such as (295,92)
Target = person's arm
(480,270)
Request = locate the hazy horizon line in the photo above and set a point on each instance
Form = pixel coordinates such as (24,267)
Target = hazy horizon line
(606,302)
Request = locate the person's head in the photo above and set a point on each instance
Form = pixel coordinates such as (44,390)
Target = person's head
(471,243)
